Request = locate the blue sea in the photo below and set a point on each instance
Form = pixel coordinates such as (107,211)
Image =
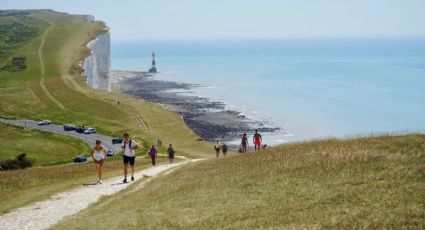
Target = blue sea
(309,88)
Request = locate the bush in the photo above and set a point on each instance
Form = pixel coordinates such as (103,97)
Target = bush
(20,162)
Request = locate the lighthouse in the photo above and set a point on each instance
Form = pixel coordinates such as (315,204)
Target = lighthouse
(153,68)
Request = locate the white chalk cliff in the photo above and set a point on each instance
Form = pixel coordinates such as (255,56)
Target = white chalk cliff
(98,64)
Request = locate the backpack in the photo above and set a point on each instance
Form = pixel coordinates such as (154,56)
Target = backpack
(129,144)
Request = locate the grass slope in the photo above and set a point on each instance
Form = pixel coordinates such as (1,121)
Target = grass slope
(45,148)
(370,183)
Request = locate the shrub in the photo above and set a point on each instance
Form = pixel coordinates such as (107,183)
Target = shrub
(20,162)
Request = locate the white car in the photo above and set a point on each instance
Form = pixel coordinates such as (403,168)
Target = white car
(90,131)
(110,153)
(44,122)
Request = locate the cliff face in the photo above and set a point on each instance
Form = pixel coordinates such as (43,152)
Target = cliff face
(98,63)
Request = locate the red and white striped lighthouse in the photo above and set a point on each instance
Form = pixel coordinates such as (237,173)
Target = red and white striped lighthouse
(153,68)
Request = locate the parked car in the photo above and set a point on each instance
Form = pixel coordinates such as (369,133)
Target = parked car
(69,127)
(110,153)
(116,141)
(80,129)
(44,122)
(80,159)
(90,131)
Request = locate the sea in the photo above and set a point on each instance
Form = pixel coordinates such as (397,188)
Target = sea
(310,89)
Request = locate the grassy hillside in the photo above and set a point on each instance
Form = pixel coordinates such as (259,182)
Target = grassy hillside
(51,86)
(40,78)
(45,148)
(372,183)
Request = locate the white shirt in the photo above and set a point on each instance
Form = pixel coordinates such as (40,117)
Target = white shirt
(98,155)
(127,151)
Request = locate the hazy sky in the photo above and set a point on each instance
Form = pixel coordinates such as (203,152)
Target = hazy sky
(235,19)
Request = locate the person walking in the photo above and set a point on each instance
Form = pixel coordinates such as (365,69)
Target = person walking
(98,153)
(224,149)
(257,139)
(244,143)
(217,148)
(171,153)
(129,146)
(152,153)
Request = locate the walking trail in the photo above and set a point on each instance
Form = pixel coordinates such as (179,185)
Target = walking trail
(42,68)
(44,214)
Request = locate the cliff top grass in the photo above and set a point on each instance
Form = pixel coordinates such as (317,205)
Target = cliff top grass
(366,183)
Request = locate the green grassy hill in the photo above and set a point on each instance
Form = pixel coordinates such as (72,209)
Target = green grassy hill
(43,147)
(51,48)
(367,183)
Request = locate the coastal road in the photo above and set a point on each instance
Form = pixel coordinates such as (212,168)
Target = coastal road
(88,138)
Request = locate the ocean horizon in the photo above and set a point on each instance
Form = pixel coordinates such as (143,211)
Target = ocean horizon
(311,89)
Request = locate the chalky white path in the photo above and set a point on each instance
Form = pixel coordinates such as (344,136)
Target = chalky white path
(43,214)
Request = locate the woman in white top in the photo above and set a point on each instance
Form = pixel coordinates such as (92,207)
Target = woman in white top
(99,154)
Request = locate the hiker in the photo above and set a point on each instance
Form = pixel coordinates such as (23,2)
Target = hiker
(98,153)
(224,149)
(244,143)
(171,153)
(152,153)
(257,139)
(217,148)
(129,146)
(159,142)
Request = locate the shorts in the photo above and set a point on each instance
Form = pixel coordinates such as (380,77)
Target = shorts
(128,159)
(257,142)
(99,162)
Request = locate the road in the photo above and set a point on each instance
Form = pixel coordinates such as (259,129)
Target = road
(88,138)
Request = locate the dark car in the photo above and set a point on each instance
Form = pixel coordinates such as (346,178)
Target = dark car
(116,141)
(80,129)
(80,159)
(69,127)
(110,153)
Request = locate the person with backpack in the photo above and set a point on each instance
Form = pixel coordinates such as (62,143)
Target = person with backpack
(98,154)
(129,146)
(152,153)
(171,153)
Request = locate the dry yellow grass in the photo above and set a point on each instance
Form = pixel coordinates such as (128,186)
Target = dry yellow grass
(368,183)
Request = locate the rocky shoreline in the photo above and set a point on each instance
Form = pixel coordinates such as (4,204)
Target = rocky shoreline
(209,119)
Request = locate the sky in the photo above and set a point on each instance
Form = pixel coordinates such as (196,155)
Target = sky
(134,20)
